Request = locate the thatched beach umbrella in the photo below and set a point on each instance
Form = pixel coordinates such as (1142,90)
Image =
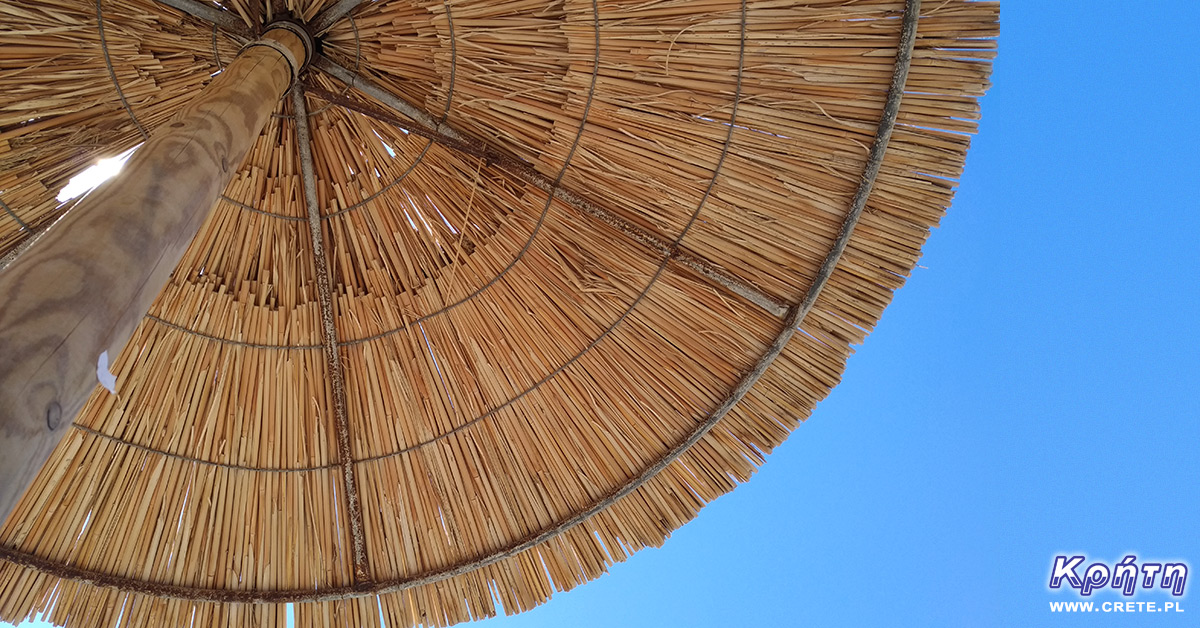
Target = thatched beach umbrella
(415,310)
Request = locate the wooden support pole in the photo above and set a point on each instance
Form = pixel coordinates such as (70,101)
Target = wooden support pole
(82,289)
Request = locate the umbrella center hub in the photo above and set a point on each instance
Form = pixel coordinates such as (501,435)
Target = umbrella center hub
(271,35)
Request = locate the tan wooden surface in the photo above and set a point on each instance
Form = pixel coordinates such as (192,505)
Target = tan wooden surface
(85,285)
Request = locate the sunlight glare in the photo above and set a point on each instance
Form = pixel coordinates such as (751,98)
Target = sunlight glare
(92,177)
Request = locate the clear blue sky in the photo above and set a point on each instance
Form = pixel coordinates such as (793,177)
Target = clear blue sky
(1034,389)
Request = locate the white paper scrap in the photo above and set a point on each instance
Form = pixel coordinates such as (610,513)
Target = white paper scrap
(107,380)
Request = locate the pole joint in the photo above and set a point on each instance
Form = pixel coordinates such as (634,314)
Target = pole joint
(276,37)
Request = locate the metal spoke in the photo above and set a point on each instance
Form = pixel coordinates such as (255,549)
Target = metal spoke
(207,12)
(332,14)
(332,356)
(401,106)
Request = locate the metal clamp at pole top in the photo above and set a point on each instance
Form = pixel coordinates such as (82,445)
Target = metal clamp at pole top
(298,66)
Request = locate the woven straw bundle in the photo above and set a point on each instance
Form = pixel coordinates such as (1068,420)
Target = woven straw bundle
(623,249)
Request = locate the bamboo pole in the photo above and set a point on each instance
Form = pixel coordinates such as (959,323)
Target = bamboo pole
(71,302)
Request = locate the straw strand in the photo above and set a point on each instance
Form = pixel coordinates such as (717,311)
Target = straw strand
(112,74)
(8,210)
(527,173)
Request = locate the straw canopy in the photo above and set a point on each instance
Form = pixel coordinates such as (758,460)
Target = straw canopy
(502,293)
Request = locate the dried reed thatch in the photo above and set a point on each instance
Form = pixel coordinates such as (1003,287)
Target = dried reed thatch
(563,302)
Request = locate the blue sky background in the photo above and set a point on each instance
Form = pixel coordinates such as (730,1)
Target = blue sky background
(1033,390)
